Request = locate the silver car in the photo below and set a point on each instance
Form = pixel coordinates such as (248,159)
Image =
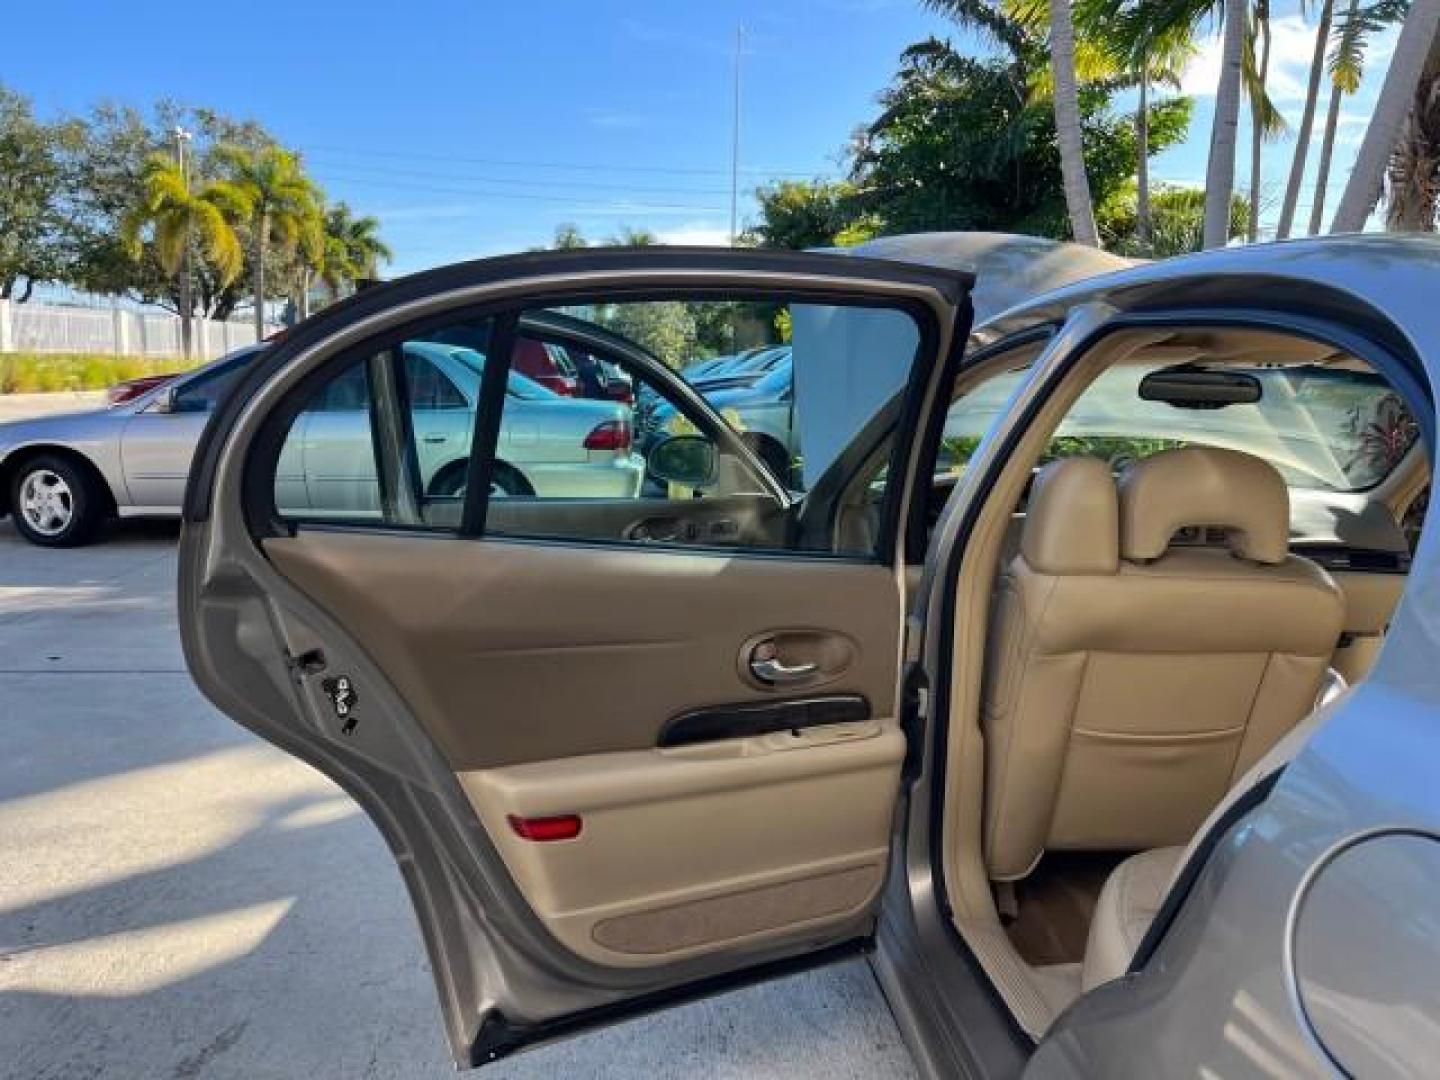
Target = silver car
(61,476)
(1105,775)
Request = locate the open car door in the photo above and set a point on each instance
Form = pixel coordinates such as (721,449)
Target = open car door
(618,681)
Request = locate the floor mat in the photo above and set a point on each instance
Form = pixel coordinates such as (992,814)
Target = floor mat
(1056,904)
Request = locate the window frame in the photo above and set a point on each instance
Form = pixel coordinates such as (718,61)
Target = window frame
(504,318)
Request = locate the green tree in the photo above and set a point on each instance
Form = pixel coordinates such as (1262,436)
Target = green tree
(1150,60)
(352,249)
(1177,225)
(178,219)
(33,213)
(666,327)
(800,214)
(568,237)
(281,205)
(962,143)
(107,170)
(629,236)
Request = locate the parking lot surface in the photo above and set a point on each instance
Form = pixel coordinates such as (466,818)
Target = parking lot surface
(180,900)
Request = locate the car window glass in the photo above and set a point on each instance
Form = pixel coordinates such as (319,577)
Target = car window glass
(1324,427)
(795,383)
(428,386)
(206,389)
(386,437)
(598,439)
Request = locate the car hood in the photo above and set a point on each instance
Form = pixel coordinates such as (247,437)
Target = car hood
(52,426)
(735,398)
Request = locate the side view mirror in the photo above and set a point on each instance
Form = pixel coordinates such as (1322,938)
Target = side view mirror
(689,460)
(165,401)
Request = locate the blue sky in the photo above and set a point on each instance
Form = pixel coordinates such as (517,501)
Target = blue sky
(471,128)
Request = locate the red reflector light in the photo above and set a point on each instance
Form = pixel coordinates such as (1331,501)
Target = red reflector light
(611,435)
(563,827)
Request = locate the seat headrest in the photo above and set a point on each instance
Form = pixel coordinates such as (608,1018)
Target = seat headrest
(1208,487)
(1072,520)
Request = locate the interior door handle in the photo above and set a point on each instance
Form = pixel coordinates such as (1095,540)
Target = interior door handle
(770,670)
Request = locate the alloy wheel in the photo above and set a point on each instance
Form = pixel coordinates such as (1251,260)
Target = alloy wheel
(47,502)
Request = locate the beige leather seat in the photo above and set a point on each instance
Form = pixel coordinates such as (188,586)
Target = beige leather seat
(1131,898)
(1131,678)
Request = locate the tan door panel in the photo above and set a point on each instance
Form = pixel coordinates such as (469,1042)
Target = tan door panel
(687,850)
(547,674)
(509,652)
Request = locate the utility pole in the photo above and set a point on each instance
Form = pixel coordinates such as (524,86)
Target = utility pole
(735,138)
(187,302)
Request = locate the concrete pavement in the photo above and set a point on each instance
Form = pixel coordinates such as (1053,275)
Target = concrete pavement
(180,900)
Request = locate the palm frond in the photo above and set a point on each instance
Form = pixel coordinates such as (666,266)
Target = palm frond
(986,19)
(1263,110)
(218,238)
(1352,34)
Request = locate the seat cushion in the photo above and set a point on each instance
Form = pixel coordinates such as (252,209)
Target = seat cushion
(1130,900)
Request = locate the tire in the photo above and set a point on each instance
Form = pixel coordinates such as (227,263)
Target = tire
(773,456)
(56,502)
(505,483)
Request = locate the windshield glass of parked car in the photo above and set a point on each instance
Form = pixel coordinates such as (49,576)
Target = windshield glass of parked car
(1326,428)
(520,386)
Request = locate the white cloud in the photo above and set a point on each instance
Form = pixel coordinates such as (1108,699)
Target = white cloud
(1291,50)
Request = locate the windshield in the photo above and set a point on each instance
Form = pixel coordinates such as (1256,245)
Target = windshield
(1322,427)
(518,385)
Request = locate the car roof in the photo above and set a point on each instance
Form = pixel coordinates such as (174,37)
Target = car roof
(1009,268)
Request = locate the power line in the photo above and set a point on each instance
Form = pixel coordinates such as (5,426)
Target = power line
(573,166)
(322,164)
(401,185)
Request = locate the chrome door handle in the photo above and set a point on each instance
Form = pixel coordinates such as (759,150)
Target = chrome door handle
(771,670)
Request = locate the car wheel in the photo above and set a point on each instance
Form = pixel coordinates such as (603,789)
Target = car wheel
(55,502)
(505,483)
(773,455)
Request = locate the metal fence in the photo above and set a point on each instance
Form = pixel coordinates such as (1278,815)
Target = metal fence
(52,329)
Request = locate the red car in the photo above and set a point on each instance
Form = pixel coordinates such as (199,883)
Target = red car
(130,389)
(547,365)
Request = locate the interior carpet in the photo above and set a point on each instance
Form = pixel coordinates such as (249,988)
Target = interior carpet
(1056,903)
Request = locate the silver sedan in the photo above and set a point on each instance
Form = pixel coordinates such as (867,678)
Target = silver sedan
(62,476)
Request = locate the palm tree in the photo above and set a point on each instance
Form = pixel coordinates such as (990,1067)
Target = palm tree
(1170,20)
(1129,38)
(1397,96)
(1307,122)
(352,249)
(1220,168)
(282,205)
(1346,68)
(1266,121)
(1020,27)
(177,218)
(1066,100)
(1413,198)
